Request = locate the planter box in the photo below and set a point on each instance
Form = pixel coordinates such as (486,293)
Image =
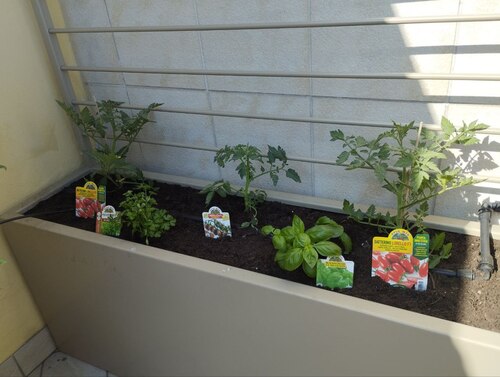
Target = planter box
(138,310)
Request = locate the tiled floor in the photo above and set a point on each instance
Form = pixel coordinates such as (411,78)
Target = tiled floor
(61,365)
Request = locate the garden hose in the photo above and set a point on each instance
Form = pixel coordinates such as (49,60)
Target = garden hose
(459,273)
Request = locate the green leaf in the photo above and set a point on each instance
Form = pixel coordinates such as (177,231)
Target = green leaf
(325,220)
(446,251)
(380,171)
(293,259)
(404,161)
(292,174)
(343,157)
(279,242)
(297,225)
(447,127)
(437,241)
(337,135)
(327,248)
(347,242)
(319,233)
(267,230)
(289,233)
(310,272)
(302,240)
(310,256)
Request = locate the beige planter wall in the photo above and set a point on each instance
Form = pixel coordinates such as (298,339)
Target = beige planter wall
(36,144)
(423,48)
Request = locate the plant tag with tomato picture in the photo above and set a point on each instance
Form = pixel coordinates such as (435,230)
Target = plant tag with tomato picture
(401,260)
(108,222)
(216,223)
(86,202)
(334,272)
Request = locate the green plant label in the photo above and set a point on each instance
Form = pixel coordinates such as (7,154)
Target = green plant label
(401,259)
(334,273)
(108,222)
(216,223)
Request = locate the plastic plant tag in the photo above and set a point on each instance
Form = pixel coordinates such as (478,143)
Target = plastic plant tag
(401,260)
(216,223)
(334,272)
(108,222)
(86,204)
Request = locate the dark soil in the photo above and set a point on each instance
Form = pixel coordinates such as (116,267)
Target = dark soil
(474,303)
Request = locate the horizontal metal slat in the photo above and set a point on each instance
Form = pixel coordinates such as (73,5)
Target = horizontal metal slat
(280,25)
(324,75)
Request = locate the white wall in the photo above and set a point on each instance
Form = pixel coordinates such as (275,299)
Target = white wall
(426,48)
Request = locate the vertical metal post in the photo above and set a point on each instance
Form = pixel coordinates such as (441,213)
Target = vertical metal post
(44,20)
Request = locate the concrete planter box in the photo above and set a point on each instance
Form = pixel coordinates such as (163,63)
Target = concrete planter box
(138,310)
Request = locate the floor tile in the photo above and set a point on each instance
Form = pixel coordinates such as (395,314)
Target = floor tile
(34,351)
(9,368)
(37,372)
(60,364)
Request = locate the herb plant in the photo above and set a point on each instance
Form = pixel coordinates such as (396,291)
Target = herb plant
(419,177)
(295,246)
(252,164)
(139,213)
(111,131)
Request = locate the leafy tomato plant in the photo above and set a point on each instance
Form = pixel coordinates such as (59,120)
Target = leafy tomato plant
(139,213)
(252,164)
(419,176)
(295,246)
(108,128)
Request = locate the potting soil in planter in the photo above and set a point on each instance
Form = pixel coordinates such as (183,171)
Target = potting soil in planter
(473,303)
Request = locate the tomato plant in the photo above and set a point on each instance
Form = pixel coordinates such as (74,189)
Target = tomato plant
(252,164)
(111,132)
(418,174)
(295,246)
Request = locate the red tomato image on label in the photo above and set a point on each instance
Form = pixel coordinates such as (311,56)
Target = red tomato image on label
(375,263)
(392,257)
(394,275)
(384,263)
(383,275)
(87,201)
(423,270)
(398,268)
(407,266)
(414,261)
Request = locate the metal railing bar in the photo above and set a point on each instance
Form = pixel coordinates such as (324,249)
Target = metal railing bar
(227,114)
(492,179)
(364,76)
(280,25)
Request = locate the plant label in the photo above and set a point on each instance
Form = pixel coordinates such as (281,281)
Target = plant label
(86,203)
(402,260)
(334,272)
(216,223)
(108,222)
